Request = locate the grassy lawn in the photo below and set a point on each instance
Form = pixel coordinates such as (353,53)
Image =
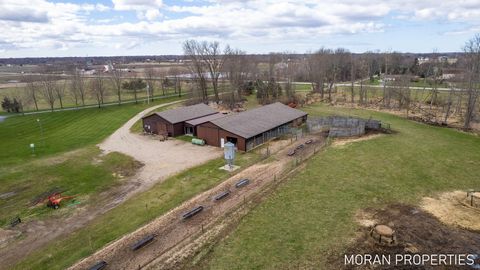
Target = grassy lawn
(130,215)
(310,217)
(75,174)
(418,95)
(58,132)
(65,158)
(185,138)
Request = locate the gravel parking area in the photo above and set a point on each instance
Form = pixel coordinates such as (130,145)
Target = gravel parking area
(160,159)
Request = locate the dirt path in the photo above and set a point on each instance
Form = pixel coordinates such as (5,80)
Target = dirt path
(173,233)
(160,159)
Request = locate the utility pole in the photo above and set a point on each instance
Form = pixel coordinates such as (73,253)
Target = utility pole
(41,131)
(148,93)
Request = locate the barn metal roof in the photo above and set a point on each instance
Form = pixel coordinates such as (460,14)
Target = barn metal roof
(201,120)
(256,121)
(186,113)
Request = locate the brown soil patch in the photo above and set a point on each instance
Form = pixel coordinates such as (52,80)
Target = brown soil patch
(7,236)
(453,208)
(416,231)
(340,142)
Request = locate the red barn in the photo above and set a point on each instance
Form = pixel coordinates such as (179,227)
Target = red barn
(251,128)
(172,122)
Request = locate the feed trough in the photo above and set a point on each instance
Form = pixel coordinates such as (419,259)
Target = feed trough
(221,195)
(473,198)
(383,234)
(242,183)
(99,265)
(193,212)
(143,242)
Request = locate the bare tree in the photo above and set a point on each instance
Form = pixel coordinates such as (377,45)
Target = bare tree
(353,71)
(449,105)
(236,69)
(472,61)
(150,75)
(206,57)
(385,79)
(317,69)
(214,58)
(49,86)
(60,91)
(77,87)
(98,89)
(363,72)
(197,67)
(116,77)
(32,89)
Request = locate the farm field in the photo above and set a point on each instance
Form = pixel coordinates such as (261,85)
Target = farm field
(310,219)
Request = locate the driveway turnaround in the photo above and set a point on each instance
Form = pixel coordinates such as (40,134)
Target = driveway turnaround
(160,159)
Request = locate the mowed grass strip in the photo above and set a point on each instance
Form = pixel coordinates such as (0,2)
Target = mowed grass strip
(62,131)
(310,218)
(132,214)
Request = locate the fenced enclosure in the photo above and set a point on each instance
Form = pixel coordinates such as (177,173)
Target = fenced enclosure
(341,126)
(266,136)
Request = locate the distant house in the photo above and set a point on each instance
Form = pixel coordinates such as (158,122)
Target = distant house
(172,122)
(251,128)
(88,71)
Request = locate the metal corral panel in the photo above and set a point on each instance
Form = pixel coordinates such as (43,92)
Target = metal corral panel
(373,124)
(340,126)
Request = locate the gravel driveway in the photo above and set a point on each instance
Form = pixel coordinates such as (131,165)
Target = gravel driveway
(161,159)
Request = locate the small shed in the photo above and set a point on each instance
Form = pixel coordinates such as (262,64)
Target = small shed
(172,122)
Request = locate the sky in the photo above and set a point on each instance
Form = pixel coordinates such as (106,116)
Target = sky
(57,28)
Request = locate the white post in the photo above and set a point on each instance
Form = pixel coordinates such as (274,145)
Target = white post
(148,93)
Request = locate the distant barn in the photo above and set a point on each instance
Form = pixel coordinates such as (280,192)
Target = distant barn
(251,128)
(172,122)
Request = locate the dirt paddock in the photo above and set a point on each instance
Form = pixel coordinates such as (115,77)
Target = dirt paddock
(453,208)
(416,231)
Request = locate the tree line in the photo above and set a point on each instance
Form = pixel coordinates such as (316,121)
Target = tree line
(54,89)
(271,77)
(226,75)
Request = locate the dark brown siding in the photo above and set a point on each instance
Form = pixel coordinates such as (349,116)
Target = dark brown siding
(212,135)
(240,141)
(209,133)
(178,129)
(157,124)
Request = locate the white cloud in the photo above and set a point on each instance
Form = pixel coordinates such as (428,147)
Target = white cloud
(44,24)
(152,14)
(136,4)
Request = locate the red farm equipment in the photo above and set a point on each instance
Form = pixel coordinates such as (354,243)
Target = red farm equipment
(56,198)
